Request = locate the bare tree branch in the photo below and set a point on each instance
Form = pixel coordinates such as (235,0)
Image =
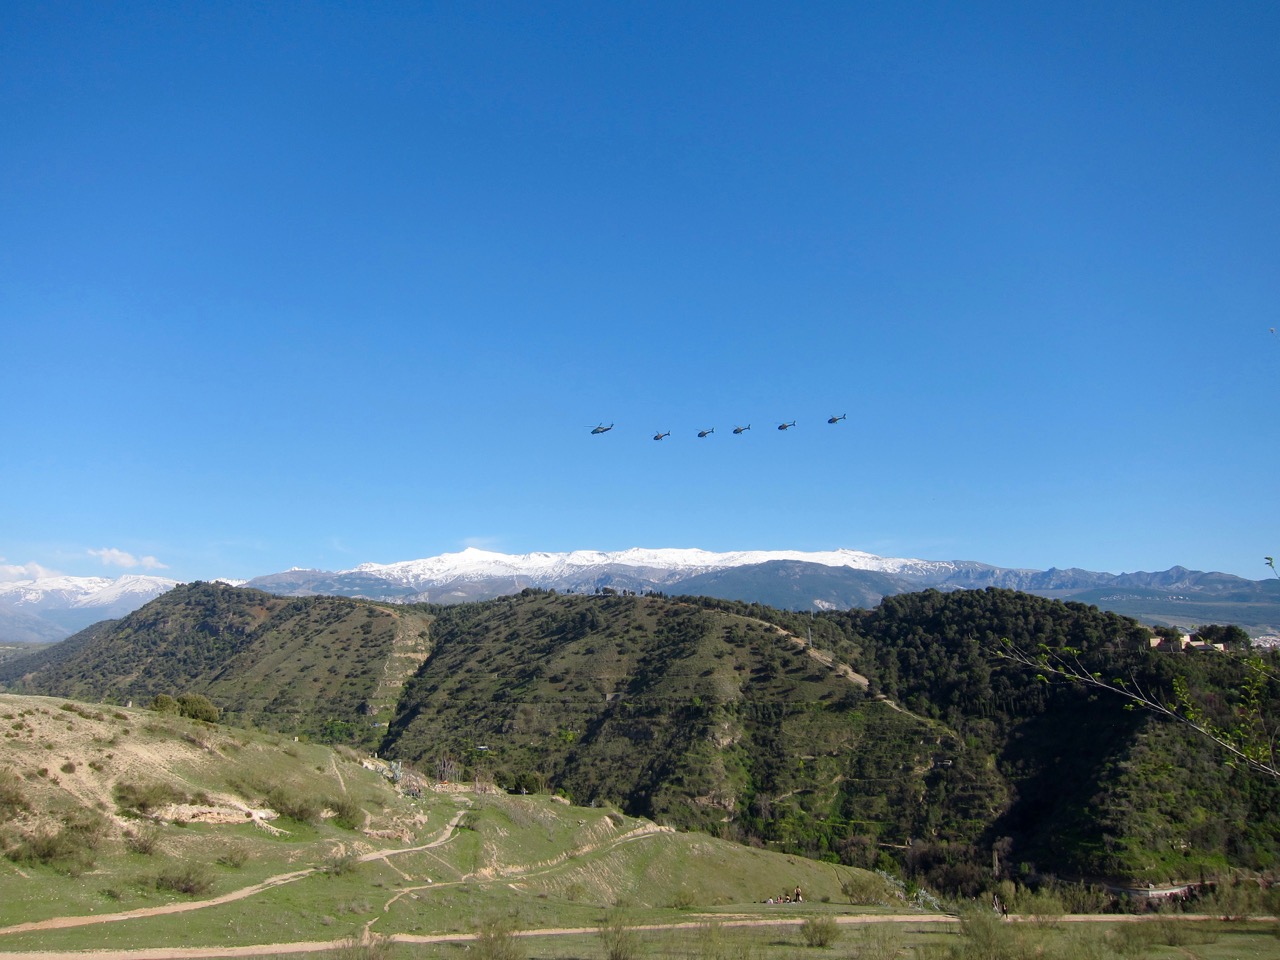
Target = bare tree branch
(1250,743)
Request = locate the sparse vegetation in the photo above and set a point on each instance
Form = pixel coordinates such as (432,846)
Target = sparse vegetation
(68,846)
(340,863)
(864,889)
(496,940)
(193,879)
(144,840)
(295,804)
(145,797)
(346,813)
(879,941)
(372,947)
(13,800)
(618,936)
(820,931)
(234,855)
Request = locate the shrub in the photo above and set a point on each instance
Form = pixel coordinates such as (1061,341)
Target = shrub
(144,840)
(198,707)
(339,864)
(1082,898)
(234,855)
(190,878)
(496,940)
(864,889)
(12,798)
(819,931)
(163,703)
(683,899)
(1233,900)
(1044,905)
(304,809)
(619,937)
(147,796)
(346,813)
(68,848)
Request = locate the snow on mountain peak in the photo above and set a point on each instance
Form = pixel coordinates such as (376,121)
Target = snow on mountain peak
(134,589)
(474,563)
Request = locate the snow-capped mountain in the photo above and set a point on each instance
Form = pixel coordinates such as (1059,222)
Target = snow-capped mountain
(54,607)
(50,608)
(474,574)
(792,579)
(668,564)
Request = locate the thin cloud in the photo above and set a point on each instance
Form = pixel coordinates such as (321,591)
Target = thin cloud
(10,572)
(111,557)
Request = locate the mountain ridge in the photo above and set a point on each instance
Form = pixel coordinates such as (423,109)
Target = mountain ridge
(52,608)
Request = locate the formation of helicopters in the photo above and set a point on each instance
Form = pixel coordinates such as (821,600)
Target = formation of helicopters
(703,434)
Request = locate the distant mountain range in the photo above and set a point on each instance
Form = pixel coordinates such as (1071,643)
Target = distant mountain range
(45,610)
(50,608)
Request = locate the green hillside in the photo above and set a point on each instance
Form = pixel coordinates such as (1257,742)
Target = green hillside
(1099,790)
(895,737)
(699,717)
(172,831)
(328,667)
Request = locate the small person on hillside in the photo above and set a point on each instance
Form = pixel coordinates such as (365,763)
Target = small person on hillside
(798,896)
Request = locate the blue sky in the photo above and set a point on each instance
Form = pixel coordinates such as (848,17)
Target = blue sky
(308,284)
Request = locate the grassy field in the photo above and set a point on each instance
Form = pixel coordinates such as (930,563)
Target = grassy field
(712,940)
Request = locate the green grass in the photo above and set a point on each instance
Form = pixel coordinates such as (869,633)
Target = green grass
(529,861)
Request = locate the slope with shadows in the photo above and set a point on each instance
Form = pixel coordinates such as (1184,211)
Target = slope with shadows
(324,666)
(863,736)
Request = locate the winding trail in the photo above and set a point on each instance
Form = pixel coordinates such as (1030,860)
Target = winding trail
(446,834)
(63,923)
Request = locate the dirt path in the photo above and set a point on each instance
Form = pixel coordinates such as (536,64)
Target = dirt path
(319,946)
(333,765)
(62,923)
(824,658)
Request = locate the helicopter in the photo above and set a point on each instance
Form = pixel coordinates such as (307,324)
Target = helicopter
(706,433)
(786,426)
(837,419)
(601,428)
(659,436)
(741,429)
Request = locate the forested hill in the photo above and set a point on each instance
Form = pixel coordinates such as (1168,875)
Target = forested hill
(892,733)
(1098,789)
(691,714)
(323,666)
(725,723)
